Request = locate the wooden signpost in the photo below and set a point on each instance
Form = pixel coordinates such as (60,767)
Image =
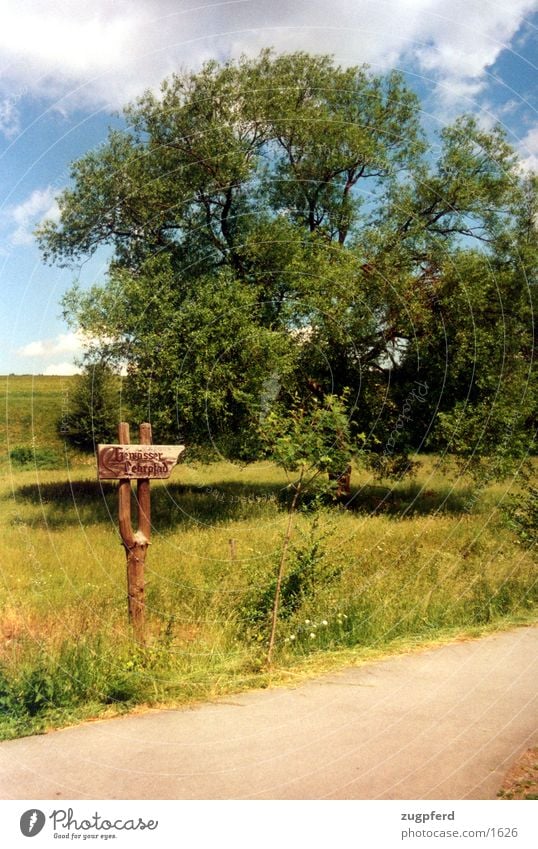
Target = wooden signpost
(141,462)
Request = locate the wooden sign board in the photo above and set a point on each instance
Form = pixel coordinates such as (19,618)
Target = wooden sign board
(137,462)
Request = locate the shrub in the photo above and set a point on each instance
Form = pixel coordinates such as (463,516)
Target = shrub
(522,514)
(309,571)
(95,410)
(27,455)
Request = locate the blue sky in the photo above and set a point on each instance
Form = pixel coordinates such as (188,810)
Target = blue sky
(67,68)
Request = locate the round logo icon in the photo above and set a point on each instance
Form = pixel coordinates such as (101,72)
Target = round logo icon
(32,822)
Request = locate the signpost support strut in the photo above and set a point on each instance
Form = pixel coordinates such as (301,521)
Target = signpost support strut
(135,544)
(141,462)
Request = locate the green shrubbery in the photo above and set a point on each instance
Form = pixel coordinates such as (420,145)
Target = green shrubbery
(522,515)
(89,672)
(309,569)
(41,458)
(94,408)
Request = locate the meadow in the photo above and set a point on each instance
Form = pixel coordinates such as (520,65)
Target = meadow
(403,565)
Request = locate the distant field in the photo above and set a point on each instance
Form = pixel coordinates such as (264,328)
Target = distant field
(405,564)
(31,406)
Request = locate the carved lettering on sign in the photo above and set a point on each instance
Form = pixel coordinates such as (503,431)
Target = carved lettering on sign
(137,461)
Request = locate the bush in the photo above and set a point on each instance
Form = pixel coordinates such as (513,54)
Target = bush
(27,455)
(309,571)
(75,675)
(95,410)
(522,514)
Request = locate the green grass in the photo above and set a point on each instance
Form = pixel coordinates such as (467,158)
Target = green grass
(406,565)
(32,406)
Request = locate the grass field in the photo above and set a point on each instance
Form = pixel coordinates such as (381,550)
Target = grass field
(32,406)
(403,565)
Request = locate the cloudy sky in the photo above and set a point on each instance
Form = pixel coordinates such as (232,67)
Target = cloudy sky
(67,67)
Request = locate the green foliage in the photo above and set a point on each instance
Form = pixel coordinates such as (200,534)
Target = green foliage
(522,514)
(388,607)
(76,674)
(233,204)
(487,417)
(310,440)
(39,458)
(94,408)
(310,567)
(488,602)
(198,359)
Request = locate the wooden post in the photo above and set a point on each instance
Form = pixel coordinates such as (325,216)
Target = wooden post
(142,489)
(124,495)
(136,544)
(126,462)
(233,550)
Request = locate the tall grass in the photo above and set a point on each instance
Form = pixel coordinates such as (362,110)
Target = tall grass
(401,563)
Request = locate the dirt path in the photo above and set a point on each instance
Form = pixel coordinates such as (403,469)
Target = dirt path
(440,724)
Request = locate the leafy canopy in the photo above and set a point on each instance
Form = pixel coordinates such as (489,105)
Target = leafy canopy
(285,219)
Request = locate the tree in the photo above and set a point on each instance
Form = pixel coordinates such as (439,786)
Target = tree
(285,216)
(95,408)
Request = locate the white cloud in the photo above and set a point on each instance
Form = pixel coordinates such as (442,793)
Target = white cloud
(27,215)
(65,343)
(62,369)
(60,41)
(464,38)
(33,349)
(529,151)
(467,36)
(105,53)
(72,343)
(9,118)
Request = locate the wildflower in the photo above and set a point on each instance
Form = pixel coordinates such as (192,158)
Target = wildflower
(292,637)
(307,622)
(312,636)
(324,623)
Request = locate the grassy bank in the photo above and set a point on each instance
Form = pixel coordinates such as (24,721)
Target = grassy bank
(31,408)
(402,565)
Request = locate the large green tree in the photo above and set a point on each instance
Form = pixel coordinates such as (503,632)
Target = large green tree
(281,226)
